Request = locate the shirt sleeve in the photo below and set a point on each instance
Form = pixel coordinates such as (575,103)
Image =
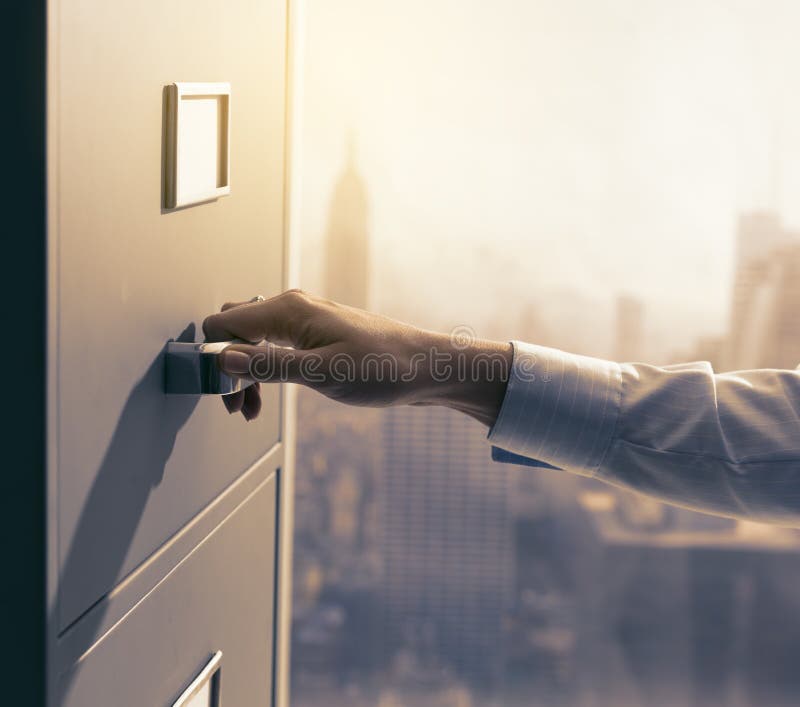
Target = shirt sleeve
(721,443)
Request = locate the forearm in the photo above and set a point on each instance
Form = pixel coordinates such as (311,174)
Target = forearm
(725,443)
(470,377)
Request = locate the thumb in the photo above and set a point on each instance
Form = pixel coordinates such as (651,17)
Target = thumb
(268,363)
(235,362)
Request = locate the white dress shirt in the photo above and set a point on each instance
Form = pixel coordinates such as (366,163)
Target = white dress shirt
(724,443)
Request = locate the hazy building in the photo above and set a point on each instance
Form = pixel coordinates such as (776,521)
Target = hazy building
(446,543)
(629,329)
(347,239)
(763,329)
(336,564)
(711,349)
(336,526)
(783,333)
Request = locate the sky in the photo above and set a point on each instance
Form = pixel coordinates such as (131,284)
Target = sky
(550,154)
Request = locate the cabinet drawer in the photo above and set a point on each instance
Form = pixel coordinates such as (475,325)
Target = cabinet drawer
(219,598)
(133,465)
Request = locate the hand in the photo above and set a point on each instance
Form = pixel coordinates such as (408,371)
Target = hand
(356,357)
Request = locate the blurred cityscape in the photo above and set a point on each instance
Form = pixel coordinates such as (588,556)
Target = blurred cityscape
(426,574)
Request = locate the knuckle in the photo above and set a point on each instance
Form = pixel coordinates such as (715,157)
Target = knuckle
(296,296)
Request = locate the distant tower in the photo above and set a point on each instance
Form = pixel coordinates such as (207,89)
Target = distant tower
(347,238)
(760,235)
(770,333)
(629,333)
(784,339)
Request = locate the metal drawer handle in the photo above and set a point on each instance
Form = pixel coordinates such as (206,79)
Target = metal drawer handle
(193,369)
(206,686)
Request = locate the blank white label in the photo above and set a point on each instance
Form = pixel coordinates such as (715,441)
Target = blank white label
(201,143)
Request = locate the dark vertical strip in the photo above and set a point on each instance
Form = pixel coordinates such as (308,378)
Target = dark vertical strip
(23,236)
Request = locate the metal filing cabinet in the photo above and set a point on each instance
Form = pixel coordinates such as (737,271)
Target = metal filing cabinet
(165,518)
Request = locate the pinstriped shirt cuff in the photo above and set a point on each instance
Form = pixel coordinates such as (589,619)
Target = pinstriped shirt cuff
(559,408)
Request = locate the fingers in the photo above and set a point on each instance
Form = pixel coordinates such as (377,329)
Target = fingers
(247,401)
(233,402)
(274,319)
(251,406)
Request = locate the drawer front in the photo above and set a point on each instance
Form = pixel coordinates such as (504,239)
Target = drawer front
(219,598)
(134,466)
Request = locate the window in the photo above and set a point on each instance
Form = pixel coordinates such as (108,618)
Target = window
(610,178)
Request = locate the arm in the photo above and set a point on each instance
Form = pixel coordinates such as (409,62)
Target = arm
(357,357)
(720,443)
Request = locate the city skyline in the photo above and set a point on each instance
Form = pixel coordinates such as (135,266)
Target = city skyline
(575,175)
(575,151)
(426,574)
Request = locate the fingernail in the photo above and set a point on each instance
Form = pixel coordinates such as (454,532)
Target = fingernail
(234,362)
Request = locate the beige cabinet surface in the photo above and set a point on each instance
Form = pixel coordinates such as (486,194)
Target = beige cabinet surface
(163,512)
(134,466)
(213,600)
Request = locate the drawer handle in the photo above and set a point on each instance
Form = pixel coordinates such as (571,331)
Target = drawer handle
(205,686)
(193,369)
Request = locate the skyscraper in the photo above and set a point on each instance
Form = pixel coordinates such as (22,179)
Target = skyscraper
(446,543)
(336,554)
(347,239)
(771,332)
(765,325)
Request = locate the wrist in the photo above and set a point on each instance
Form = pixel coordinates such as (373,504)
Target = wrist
(470,377)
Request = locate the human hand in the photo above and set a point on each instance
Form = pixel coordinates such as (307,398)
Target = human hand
(355,357)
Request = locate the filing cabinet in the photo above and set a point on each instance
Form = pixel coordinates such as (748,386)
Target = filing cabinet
(217,598)
(164,518)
